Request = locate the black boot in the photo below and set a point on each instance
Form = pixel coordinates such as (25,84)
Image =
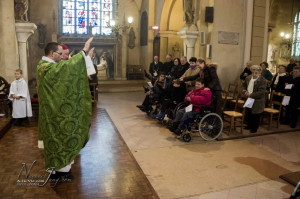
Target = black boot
(178,131)
(174,126)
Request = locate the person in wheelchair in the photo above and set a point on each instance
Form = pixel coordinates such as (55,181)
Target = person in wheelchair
(198,97)
(154,95)
(152,78)
(175,94)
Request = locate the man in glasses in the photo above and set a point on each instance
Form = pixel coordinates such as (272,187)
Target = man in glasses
(64,106)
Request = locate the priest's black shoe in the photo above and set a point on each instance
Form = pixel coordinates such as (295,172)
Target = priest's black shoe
(65,176)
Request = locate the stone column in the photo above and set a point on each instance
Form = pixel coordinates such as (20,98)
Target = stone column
(248,30)
(9,60)
(124,57)
(266,31)
(189,34)
(24,31)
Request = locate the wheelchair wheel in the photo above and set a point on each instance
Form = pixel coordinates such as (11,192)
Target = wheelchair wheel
(178,107)
(210,126)
(186,137)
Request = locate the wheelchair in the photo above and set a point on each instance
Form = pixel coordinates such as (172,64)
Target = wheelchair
(207,124)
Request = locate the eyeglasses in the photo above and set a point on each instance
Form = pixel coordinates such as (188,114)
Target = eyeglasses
(58,53)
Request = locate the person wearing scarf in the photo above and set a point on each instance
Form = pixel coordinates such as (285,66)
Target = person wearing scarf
(255,87)
(280,79)
(192,71)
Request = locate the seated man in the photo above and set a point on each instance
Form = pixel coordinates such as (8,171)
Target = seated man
(156,93)
(198,97)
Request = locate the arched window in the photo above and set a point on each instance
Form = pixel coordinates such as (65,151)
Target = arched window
(86,16)
(296,37)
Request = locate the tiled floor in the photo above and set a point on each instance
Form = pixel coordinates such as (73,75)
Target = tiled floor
(105,168)
(233,169)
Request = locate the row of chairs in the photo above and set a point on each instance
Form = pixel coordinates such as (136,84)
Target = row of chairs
(236,116)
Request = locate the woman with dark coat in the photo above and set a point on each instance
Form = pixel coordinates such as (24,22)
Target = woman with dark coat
(280,79)
(255,87)
(177,70)
(211,81)
(246,72)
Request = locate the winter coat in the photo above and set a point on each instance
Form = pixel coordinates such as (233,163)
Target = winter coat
(199,97)
(246,70)
(211,79)
(295,92)
(280,87)
(259,93)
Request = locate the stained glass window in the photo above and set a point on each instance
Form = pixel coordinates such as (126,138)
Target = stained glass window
(83,16)
(296,37)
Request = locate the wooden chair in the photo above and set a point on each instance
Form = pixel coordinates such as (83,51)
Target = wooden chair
(224,99)
(231,91)
(275,108)
(235,118)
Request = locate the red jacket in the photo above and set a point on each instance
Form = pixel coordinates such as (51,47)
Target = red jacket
(199,97)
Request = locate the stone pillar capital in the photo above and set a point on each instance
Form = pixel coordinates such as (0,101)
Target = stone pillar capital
(24,31)
(189,34)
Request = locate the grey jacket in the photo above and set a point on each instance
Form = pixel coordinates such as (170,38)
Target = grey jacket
(259,93)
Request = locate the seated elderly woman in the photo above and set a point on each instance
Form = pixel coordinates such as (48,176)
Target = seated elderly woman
(255,87)
(198,97)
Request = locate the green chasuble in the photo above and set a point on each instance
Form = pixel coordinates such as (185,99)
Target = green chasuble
(65,109)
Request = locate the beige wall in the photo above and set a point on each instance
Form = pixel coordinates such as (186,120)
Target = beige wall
(170,23)
(41,12)
(200,50)
(228,17)
(128,8)
(8,49)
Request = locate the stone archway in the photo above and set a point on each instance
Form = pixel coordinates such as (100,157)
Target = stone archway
(170,23)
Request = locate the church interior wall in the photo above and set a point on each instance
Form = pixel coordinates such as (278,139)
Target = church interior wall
(127,9)
(46,13)
(175,43)
(228,18)
(282,12)
(144,50)
(164,28)
(8,49)
(200,46)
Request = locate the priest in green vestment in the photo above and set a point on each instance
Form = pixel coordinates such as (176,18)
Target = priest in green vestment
(64,105)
